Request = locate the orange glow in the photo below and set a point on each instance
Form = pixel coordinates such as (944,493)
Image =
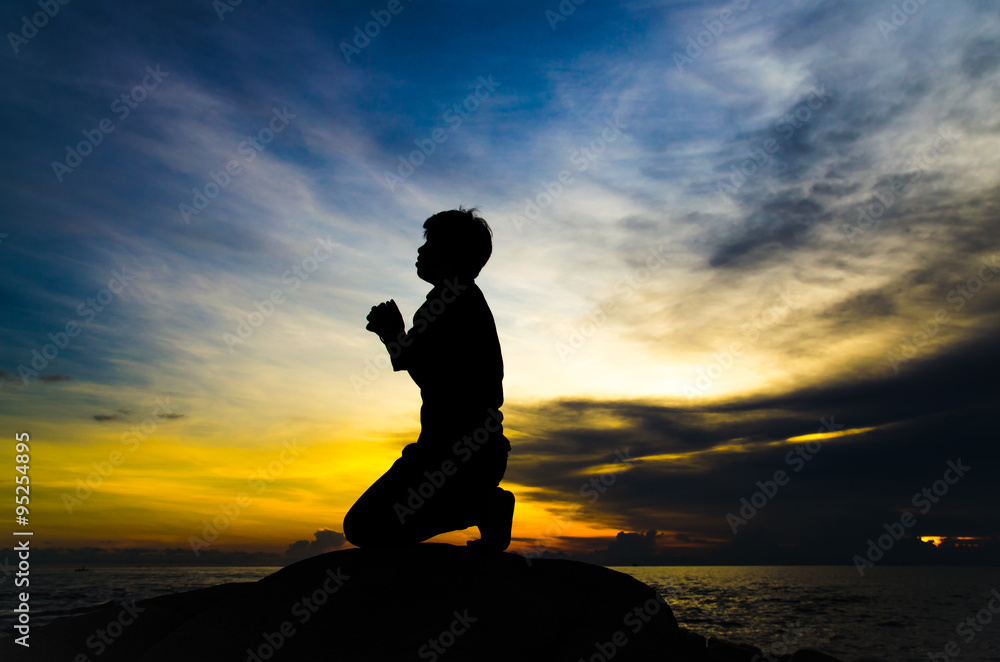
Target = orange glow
(960,541)
(827,435)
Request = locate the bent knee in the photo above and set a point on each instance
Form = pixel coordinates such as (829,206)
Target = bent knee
(364,527)
(354,527)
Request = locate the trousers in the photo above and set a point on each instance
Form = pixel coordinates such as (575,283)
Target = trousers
(426,492)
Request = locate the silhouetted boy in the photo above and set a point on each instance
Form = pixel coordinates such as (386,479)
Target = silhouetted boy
(448,480)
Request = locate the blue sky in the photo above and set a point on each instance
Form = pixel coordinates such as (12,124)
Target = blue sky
(750,137)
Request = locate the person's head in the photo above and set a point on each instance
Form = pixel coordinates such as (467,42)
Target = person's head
(458,243)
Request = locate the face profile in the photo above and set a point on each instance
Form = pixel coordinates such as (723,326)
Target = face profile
(434,262)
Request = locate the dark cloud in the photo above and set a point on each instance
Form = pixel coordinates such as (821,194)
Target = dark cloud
(834,190)
(839,494)
(628,548)
(959,379)
(779,223)
(123,414)
(325,541)
(11,378)
(981,57)
(862,306)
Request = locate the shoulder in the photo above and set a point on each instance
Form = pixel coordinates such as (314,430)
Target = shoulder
(476,298)
(461,291)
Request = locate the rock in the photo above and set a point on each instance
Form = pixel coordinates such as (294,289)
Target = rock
(811,655)
(720,650)
(427,602)
(101,636)
(690,645)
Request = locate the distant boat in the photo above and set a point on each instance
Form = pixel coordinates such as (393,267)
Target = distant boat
(82,568)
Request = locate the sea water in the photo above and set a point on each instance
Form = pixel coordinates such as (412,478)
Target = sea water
(895,613)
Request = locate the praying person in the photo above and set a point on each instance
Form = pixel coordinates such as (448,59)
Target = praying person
(449,478)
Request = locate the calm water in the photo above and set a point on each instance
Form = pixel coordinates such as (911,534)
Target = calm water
(892,612)
(897,613)
(57,592)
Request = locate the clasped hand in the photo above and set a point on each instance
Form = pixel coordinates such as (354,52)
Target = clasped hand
(385,320)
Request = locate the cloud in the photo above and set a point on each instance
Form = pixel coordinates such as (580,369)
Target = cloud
(867,305)
(123,414)
(629,548)
(325,540)
(15,380)
(981,57)
(695,463)
(777,223)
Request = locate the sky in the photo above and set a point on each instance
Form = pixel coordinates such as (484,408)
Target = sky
(743,270)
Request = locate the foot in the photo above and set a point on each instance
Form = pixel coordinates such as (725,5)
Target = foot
(495,525)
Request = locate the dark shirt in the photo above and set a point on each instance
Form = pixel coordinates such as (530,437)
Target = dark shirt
(453,354)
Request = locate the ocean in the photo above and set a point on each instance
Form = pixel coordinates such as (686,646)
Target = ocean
(896,613)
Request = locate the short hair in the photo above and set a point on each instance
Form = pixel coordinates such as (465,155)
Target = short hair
(468,236)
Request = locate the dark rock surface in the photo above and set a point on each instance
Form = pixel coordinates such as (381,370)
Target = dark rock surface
(433,602)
